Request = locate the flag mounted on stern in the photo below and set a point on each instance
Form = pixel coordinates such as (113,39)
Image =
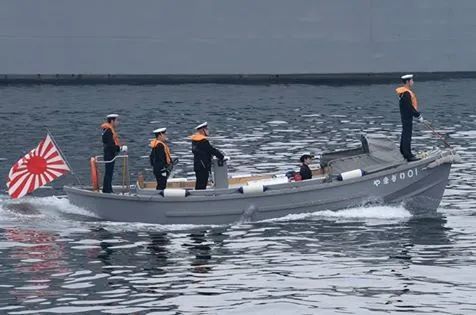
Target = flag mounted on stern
(39,167)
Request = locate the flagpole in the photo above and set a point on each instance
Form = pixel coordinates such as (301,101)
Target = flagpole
(63,156)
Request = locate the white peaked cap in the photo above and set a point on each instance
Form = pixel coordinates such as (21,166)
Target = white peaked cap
(112,116)
(160,130)
(205,124)
(407,76)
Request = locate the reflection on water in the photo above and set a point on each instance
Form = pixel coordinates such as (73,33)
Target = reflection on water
(379,264)
(57,258)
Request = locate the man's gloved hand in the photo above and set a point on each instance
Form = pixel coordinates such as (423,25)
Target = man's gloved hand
(420,119)
(124,148)
(222,161)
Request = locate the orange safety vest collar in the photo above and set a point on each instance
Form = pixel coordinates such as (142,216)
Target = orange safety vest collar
(198,137)
(115,136)
(404,89)
(154,143)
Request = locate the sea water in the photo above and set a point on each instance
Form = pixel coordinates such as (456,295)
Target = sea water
(58,258)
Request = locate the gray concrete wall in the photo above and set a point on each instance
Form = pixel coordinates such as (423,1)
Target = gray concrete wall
(240,36)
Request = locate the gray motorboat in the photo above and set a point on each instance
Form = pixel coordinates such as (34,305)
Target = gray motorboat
(373,173)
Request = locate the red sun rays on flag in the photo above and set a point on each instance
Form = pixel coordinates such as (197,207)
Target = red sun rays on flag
(39,167)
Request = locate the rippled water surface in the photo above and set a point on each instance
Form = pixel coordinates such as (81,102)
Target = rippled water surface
(57,258)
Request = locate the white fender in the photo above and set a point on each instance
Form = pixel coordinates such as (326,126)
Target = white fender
(174,193)
(351,174)
(252,189)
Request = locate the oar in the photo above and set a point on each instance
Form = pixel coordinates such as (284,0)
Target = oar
(436,133)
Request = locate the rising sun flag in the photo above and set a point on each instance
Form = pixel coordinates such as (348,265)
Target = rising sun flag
(39,167)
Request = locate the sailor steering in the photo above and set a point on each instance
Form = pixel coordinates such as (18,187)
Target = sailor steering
(408,110)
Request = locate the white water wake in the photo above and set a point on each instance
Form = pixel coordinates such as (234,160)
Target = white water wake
(358,213)
(50,213)
(53,211)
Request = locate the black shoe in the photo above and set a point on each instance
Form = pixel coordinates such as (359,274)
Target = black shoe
(413,158)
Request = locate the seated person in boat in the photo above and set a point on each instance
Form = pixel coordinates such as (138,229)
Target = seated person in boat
(160,157)
(203,152)
(305,171)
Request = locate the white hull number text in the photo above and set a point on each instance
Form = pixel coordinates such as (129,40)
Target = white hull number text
(391,179)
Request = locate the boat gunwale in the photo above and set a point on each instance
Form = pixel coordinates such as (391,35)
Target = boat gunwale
(282,188)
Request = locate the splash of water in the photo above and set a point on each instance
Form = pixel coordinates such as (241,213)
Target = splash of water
(42,212)
(359,213)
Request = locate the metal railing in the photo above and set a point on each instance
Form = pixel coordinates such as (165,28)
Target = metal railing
(125,180)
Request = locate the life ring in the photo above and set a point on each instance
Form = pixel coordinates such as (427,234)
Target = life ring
(94,174)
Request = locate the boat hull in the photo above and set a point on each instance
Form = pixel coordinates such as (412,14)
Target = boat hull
(418,186)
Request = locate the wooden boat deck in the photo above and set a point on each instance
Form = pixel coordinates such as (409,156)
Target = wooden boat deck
(233,181)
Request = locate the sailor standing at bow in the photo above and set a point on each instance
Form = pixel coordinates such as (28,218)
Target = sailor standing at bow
(408,110)
(112,147)
(202,155)
(160,157)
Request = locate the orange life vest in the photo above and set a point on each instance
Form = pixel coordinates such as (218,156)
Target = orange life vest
(198,137)
(154,143)
(115,136)
(404,89)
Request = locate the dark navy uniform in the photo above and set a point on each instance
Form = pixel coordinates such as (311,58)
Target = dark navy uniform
(407,112)
(305,172)
(111,149)
(160,164)
(203,152)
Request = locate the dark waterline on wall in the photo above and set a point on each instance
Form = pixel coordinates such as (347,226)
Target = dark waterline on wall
(333,79)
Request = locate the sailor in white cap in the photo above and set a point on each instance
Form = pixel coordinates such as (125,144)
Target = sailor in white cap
(408,110)
(160,157)
(112,146)
(202,155)
(202,126)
